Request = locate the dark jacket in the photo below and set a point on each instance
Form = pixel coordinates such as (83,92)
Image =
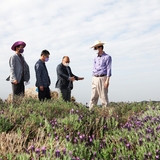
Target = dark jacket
(63,77)
(42,77)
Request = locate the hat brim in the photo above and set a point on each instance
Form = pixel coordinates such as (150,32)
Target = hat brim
(17,44)
(99,44)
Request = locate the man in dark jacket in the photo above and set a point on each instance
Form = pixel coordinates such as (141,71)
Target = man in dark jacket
(65,78)
(42,78)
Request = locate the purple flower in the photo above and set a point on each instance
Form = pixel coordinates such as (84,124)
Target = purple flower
(140,141)
(75,140)
(157,157)
(67,137)
(121,139)
(72,111)
(57,154)
(64,151)
(78,133)
(128,146)
(148,138)
(70,153)
(43,150)
(31,148)
(57,138)
(150,155)
(37,150)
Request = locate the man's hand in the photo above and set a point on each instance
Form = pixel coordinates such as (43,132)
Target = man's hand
(15,82)
(106,84)
(80,78)
(41,88)
(72,79)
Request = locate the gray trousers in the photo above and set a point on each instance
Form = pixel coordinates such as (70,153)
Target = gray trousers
(66,94)
(98,91)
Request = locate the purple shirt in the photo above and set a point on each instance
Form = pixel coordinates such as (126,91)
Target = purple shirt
(102,65)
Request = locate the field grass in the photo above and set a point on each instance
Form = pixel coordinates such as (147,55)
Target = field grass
(31,130)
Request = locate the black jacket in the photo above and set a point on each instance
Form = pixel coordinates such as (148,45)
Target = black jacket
(63,77)
(42,77)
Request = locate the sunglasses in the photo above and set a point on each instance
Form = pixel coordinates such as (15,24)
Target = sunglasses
(95,48)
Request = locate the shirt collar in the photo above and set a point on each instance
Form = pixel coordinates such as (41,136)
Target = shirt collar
(101,54)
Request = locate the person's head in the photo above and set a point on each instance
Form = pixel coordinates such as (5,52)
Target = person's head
(18,47)
(98,46)
(45,55)
(65,61)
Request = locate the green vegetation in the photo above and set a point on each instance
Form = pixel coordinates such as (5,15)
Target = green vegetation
(54,130)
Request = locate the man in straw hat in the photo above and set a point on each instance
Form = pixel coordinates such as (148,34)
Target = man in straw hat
(101,75)
(19,69)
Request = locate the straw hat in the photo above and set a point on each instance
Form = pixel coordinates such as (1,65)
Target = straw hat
(98,43)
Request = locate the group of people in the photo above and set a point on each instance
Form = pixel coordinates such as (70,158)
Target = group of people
(20,73)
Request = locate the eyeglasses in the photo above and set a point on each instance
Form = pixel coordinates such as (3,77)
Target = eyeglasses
(95,48)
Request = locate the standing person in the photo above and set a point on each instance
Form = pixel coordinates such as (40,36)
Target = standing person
(65,79)
(19,69)
(101,76)
(42,78)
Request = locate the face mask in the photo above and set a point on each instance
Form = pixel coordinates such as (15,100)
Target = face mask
(47,59)
(21,50)
(66,64)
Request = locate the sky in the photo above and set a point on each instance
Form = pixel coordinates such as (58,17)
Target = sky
(131,30)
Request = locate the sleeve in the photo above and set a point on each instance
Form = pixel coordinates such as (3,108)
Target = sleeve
(109,65)
(38,70)
(72,75)
(12,64)
(60,72)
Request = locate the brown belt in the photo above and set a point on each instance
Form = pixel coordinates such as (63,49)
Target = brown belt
(102,75)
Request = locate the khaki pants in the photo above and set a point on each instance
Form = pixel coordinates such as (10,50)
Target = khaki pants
(98,91)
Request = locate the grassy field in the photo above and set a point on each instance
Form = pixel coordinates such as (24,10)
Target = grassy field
(31,130)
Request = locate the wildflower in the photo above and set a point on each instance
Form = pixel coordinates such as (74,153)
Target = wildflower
(57,138)
(57,154)
(64,151)
(148,138)
(140,141)
(67,137)
(75,140)
(114,152)
(157,157)
(43,150)
(120,139)
(70,153)
(37,150)
(78,133)
(31,148)
(150,155)
(128,146)
(72,111)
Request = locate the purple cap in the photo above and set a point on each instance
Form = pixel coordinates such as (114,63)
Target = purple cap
(17,44)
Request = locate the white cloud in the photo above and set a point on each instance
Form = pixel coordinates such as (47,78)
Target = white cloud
(131,30)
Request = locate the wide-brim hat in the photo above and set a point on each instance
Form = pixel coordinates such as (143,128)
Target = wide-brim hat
(98,43)
(17,44)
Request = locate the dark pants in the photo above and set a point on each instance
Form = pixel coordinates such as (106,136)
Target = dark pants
(18,89)
(45,94)
(66,94)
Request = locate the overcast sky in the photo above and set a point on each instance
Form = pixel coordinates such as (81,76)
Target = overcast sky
(131,30)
